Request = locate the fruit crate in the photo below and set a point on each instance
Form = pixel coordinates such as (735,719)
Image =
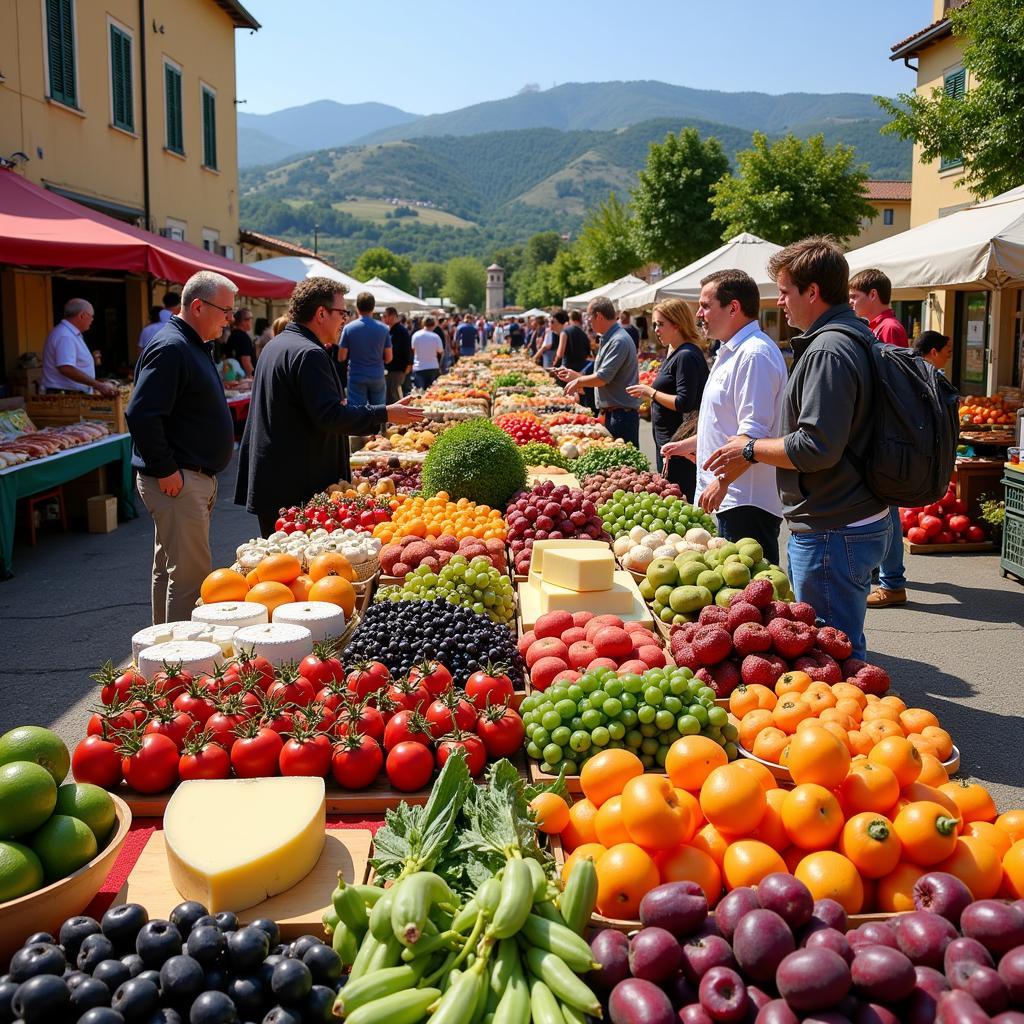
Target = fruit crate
(1011,560)
(1013,493)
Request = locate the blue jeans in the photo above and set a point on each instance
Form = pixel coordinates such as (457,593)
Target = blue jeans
(892,574)
(831,571)
(624,423)
(424,378)
(367,392)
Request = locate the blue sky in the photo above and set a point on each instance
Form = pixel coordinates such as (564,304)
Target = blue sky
(429,56)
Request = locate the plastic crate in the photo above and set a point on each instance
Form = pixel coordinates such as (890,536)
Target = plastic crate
(1012,559)
(1013,495)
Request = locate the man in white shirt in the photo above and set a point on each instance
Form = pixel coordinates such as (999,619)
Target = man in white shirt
(172,307)
(68,365)
(743,395)
(427,351)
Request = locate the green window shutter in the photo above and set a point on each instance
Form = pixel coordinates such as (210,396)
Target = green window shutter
(955,86)
(60,39)
(121,79)
(209,129)
(175,134)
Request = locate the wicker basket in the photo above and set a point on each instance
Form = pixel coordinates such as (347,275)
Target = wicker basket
(364,571)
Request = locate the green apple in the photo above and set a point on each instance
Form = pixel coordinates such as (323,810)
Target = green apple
(690,572)
(662,572)
(751,549)
(647,589)
(686,599)
(662,594)
(735,574)
(723,597)
(712,579)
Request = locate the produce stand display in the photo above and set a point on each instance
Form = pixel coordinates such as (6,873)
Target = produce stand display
(1012,556)
(672,726)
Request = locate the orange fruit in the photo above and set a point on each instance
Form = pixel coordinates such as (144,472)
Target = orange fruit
(551,811)
(223,585)
(279,568)
(271,595)
(879,729)
(759,771)
(1013,870)
(688,864)
(830,875)
(790,712)
(335,590)
(988,833)
(932,772)
(690,760)
(625,874)
(792,683)
(747,861)
(580,829)
(769,745)
(977,865)
(710,841)
(815,755)
(850,707)
(972,799)
(899,754)
(942,740)
(848,691)
(300,587)
(878,710)
(770,829)
(836,717)
(605,774)
(923,746)
(751,724)
(868,787)
(592,850)
(919,791)
(927,831)
(811,816)
(331,563)
(750,697)
(819,700)
(1012,823)
(869,842)
(608,823)
(251,579)
(916,719)
(655,816)
(860,742)
(733,800)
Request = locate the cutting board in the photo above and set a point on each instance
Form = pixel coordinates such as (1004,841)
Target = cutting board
(297,911)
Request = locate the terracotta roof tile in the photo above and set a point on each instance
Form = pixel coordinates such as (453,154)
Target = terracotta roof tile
(904,43)
(258,238)
(890,190)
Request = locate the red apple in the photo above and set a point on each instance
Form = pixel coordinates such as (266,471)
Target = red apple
(930,524)
(975,534)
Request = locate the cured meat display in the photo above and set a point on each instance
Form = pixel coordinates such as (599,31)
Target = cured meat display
(37,444)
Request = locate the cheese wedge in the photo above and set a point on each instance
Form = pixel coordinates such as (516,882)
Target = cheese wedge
(232,843)
(584,570)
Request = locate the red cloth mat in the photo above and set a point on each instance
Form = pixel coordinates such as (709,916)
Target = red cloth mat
(138,836)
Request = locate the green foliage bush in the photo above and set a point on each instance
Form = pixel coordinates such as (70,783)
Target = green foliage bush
(475,460)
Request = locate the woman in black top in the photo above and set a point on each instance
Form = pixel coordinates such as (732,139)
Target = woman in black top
(678,387)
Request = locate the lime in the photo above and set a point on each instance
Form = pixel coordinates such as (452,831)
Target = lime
(88,803)
(63,844)
(20,871)
(34,743)
(27,797)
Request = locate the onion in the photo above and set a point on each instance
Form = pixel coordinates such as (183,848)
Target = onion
(621,546)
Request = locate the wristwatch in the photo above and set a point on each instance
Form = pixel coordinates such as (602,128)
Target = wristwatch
(748,451)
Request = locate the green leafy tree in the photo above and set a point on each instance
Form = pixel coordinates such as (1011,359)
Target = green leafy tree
(541,248)
(983,126)
(606,245)
(464,280)
(671,202)
(382,262)
(429,276)
(568,274)
(792,188)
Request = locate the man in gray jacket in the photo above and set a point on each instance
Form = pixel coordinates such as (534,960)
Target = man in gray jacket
(839,529)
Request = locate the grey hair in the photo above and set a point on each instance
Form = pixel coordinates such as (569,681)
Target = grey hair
(603,306)
(75,306)
(204,284)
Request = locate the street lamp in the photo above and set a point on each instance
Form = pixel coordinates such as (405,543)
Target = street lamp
(316,231)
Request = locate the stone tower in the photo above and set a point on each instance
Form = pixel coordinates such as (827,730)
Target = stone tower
(495,288)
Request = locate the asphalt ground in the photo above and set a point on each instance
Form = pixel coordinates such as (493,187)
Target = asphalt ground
(956,648)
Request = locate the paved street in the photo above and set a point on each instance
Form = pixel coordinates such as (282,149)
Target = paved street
(76,599)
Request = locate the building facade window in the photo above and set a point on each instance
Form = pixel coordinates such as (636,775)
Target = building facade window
(209,99)
(954,83)
(887,217)
(173,112)
(121,80)
(175,229)
(211,240)
(60,51)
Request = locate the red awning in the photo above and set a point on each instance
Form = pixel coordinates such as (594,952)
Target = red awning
(39,228)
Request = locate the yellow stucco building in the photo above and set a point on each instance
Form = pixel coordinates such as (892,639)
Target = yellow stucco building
(127,107)
(891,200)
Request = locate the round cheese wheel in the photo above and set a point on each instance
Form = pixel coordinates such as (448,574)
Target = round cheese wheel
(196,657)
(278,642)
(321,618)
(231,613)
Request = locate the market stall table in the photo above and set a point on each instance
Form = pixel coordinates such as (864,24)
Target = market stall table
(238,406)
(37,475)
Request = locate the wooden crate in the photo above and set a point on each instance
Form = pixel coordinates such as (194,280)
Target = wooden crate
(61,410)
(947,549)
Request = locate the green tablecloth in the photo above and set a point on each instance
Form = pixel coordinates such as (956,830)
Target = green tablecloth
(44,474)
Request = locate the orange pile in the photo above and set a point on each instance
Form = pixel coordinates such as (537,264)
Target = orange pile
(978,411)
(437,516)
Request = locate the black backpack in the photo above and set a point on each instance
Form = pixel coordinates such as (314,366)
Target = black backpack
(912,452)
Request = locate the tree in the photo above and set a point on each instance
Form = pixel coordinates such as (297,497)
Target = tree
(983,126)
(672,204)
(382,262)
(568,274)
(429,276)
(464,280)
(606,246)
(792,188)
(541,248)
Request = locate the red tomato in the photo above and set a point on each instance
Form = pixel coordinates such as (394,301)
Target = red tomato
(256,752)
(225,720)
(501,730)
(332,695)
(366,678)
(171,680)
(410,766)
(204,759)
(306,754)
(98,761)
(363,719)
(470,744)
(111,717)
(356,761)
(292,688)
(195,702)
(150,764)
(116,685)
(407,726)
(433,676)
(408,695)
(176,725)
(320,668)
(490,686)
(258,667)
(449,713)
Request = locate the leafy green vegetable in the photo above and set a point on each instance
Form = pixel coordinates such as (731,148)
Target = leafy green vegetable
(597,460)
(475,460)
(536,453)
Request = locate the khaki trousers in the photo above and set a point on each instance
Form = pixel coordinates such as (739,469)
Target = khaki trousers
(181,551)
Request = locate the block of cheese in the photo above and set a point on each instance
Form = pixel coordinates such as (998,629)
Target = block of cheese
(540,547)
(580,569)
(162,633)
(224,638)
(278,642)
(231,613)
(321,618)
(232,843)
(197,657)
(623,600)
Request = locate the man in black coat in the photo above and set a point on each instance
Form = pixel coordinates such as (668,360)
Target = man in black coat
(294,440)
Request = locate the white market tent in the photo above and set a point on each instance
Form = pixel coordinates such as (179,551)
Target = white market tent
(613,290)
(298,268)
(385,294)
(742,252)
(981,247)
(536,311)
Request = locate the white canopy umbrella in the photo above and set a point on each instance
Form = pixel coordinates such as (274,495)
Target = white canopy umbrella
(613,290)
(742,252)
(298,268)
(981,246)
(385,294)
(536,311)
